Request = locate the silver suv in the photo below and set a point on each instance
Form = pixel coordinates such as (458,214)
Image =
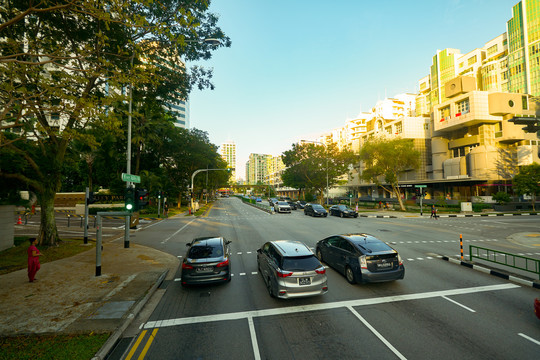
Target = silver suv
(290,269)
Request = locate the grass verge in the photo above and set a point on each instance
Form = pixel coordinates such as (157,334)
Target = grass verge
(47,347)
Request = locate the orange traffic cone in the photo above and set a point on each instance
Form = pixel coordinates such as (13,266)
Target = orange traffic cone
(19,222)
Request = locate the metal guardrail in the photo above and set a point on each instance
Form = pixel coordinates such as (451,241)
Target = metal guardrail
(503,258)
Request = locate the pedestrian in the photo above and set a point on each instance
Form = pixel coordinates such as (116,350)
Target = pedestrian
(166,209)
(33,259)
(433,212)
(380,204)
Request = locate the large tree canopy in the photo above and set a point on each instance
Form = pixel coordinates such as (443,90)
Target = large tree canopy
(312,166)
(65,64)
(385,159)
(527,182)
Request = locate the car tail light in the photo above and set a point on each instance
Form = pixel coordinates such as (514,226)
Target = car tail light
(320,270)
(363,261)
(186,266)
(223,263)
(283,273)
(399,260)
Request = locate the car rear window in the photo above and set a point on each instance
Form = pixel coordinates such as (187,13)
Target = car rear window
(318,207)
(205,251)
(300,263)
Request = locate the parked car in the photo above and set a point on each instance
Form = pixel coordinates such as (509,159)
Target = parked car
(272,201)
(207,261)
(258,199)
(292,204)
(537,307)
(361,258)
(290,269)
(300,204)
(282,207)
(315,210)
(342,211)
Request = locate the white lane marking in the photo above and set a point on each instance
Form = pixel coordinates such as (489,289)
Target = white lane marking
(182,228)
(455,302)
(377,334)
(253,273)
(254,343)
(242,274)
(529,338)
(325,306)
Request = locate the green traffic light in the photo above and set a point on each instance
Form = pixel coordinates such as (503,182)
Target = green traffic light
(129,206)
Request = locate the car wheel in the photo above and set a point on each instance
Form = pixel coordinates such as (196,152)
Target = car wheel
(356,215)
(269,287)
(319,255)
(341,214)
(325,215)
(349,274)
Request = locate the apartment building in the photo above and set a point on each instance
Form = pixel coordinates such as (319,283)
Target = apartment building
(228,153)
(257,168)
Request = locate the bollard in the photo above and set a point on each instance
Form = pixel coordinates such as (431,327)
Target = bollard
(69,217)
(461,245)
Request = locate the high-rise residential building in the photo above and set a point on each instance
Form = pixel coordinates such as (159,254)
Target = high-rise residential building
(180,112)
(257,168)
(228,153)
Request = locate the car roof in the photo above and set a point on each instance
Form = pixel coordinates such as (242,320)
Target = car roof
(364,240)
(207,241)
(292,248)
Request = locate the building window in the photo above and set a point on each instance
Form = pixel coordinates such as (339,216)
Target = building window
(492,50)
(524,103)
(471,60)
(399,128)
(444,113)
(462,107)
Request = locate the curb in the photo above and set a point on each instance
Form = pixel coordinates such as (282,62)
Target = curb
(499,274)
(113,339)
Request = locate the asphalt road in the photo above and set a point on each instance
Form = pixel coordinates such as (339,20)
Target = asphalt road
(440,310)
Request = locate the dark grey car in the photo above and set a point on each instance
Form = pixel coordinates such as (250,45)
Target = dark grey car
(207,261)
(361,258)
(315,210)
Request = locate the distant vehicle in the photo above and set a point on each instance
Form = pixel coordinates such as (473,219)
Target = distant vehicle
(282,206)
(207,261)
(301,204)
(290,270)
(361,258)
(342,211)
(315,210)
(272,201)
(258,199)
(292,204)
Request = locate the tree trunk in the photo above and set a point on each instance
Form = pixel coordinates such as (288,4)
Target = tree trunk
(48,233)
(398,195)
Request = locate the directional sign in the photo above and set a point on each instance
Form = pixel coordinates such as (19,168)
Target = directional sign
(420,186)
(131,178)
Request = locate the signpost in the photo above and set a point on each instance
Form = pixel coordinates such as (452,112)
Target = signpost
(131,178)
(421,196)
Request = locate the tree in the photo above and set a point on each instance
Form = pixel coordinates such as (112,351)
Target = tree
(63,65)
(386,159)
(310,165)
(527,182)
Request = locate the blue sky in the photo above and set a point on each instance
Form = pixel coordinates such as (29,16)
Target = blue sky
(299,68)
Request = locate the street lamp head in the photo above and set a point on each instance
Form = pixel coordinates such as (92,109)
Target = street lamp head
(212,41)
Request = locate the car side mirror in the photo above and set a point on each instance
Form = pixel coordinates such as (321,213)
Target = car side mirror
(228,242)
(188,245)
(259,251)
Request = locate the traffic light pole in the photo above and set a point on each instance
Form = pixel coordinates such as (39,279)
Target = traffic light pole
(86,216)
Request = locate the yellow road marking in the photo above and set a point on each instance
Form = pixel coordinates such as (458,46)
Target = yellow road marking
(134,348)
(147,346)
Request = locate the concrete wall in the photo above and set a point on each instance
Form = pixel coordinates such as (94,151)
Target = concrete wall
(7,226)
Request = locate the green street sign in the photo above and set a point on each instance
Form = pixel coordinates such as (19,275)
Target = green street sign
(131,178)
(420,186)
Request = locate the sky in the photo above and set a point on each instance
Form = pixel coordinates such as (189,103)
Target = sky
(299,68)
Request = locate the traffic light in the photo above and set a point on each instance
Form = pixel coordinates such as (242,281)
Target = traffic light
(141,198)
(129,199)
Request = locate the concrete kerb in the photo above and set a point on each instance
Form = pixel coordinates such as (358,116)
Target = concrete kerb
(113,339)
(523,281)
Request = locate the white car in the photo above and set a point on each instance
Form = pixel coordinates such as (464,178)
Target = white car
(282,207)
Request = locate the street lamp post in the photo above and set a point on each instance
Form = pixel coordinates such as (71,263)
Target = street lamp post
(326,151)
(193,177)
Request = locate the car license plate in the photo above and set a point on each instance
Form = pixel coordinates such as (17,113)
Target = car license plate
(204,269)
(384,265)
(304,281)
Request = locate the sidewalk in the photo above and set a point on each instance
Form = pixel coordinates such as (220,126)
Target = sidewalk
(68,297)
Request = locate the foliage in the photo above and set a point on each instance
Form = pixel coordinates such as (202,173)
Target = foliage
(502,197)
(312,167)
(63,68)
(527,182)
(384,160)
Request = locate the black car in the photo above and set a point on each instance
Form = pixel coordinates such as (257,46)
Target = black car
(361,258)
(315,210)
(301,204)
(292,204)
(342,211)
(207,261)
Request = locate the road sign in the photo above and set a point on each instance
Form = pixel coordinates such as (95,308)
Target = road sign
(420,186)
(131,178)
